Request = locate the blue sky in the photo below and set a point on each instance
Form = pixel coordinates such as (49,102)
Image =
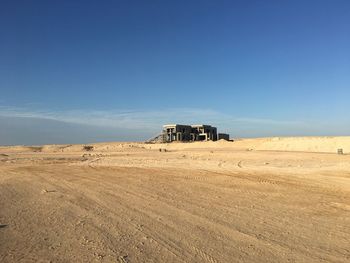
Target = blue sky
(253,68)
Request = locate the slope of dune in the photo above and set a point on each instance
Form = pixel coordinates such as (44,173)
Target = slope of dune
(306,144)
(298,144)
(252,200)
(301,144)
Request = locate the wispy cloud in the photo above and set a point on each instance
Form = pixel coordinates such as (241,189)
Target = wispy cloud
(27,126)
(136,119)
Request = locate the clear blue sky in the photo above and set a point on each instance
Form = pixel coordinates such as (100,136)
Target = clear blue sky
(260,68)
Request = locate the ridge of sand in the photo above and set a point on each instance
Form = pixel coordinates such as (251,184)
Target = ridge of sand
(242,201)
(300,144)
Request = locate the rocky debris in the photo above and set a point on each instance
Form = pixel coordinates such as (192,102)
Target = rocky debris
(86,155)
(124,259)
(45,191)
(156,139)
(88,148)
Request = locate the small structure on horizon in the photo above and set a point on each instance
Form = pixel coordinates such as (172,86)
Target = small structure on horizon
(191,133)
(223,136)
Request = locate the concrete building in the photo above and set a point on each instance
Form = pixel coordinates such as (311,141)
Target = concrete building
(176,132)
(203,133)
(186,133)
(223,136)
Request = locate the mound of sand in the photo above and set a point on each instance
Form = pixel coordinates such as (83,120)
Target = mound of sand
(298,144)
(198,202)
(294,144)
(301,144)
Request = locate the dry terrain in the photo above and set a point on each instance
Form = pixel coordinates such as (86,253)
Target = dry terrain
(254,200)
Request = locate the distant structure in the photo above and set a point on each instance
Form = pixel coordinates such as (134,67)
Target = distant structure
(223,136)
(188,133)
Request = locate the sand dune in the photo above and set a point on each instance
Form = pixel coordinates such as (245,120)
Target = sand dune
(252,200)
(302,144)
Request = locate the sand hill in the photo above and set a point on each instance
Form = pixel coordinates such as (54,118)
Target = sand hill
(252,200)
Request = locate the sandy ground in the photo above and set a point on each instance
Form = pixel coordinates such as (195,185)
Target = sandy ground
(262,200)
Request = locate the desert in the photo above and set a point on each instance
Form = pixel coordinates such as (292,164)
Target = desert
(281,199)
(174,131)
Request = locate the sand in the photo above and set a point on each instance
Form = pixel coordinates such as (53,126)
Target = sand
(253,200)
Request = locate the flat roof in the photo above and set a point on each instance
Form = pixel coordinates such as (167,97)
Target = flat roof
(173,125)
(202,125)
(186,125)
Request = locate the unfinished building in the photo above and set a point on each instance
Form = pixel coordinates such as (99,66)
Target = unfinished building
(186,133)
(204,133)
(176,132)
(223,136)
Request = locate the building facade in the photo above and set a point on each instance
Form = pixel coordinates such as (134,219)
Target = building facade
(186,133)
(223,136)
(176,132)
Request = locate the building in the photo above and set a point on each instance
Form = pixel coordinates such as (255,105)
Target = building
(176,132)
(223,136)
(203,133)
(187,133)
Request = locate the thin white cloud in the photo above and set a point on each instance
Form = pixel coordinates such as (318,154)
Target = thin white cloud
(148,123)
(267,121)
(136,119)
(114,118)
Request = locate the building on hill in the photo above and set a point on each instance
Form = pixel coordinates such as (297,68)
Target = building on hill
(204,133)
(176,132)
(187,133)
